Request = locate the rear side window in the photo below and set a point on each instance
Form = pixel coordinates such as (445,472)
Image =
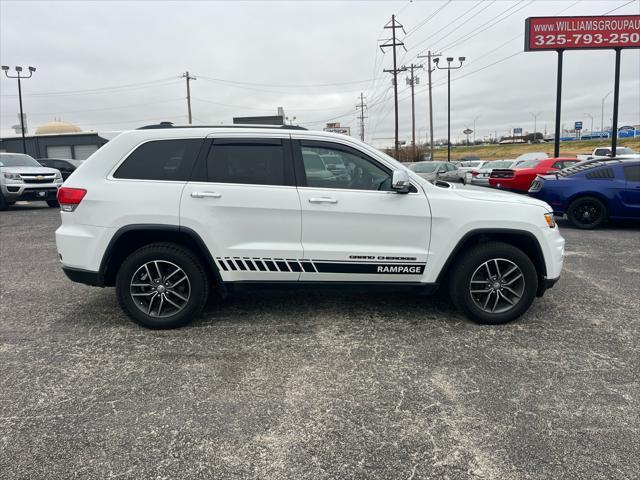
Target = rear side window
(600,173)
(252,162)
(632,173)
(161,160)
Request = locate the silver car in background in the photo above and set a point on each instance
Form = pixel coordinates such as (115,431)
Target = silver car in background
(432,171)
(467,166)
(480,176)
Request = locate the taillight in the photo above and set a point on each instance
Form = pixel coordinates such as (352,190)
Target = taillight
(474,174)
(70,198)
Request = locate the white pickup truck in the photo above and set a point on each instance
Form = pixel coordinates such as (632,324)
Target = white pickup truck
(606,152)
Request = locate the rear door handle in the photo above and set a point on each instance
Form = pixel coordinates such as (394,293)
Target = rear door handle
(205,195)
(322,200)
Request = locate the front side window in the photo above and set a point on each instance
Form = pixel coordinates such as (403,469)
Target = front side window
(346,169)
(170,160)
(251,163)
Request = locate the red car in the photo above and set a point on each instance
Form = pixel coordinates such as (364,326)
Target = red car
(519,179)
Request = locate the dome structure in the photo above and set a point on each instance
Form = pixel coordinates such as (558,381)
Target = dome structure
(56,127)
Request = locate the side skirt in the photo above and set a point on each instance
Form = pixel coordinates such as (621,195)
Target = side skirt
(351,287)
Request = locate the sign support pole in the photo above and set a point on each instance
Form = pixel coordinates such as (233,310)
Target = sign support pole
(616,95)
(556,140)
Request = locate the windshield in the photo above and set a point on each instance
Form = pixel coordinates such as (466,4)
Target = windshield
(625,151)
(498,164)
(18,160)
(529,164)
(427,167)
(532,156)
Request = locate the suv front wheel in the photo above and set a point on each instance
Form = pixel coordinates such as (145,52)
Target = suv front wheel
(493,283)
(162,285)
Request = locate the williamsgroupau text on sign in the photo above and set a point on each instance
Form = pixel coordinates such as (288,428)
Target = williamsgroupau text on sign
(572,33)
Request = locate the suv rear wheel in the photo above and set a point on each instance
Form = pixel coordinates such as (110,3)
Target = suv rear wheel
(493,283)
(162,285)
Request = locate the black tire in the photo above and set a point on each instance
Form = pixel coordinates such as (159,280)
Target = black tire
(164,254)
(463,181)
(53,203)
(472,261)
(587,213)
(3,203)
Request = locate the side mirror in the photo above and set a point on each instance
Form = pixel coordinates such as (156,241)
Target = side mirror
(400,181)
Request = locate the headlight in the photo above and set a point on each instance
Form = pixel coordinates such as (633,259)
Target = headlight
(551,220)
(12,176)
(58,175)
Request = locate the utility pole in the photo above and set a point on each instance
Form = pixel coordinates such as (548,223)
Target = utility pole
(413,81)
(430,70)
(5,68)
(361,106)
(393,42)
(448,68)
(188,77)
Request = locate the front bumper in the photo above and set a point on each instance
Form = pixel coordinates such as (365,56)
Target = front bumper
(14,192)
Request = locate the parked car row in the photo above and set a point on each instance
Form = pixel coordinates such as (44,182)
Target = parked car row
(24,178)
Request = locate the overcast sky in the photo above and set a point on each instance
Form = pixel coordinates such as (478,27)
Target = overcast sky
(116,65)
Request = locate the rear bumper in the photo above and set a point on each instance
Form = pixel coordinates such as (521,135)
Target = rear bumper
(85,277)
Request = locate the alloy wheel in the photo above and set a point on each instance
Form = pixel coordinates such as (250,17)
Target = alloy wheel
(160,288)
(497,285)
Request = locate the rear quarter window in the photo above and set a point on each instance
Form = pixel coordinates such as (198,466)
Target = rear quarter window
(600,173)
(632,173)
(170,160)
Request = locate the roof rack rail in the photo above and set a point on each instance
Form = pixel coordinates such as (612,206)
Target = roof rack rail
(171,125)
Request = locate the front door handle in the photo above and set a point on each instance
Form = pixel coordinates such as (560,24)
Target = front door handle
(322,200)
(205,195)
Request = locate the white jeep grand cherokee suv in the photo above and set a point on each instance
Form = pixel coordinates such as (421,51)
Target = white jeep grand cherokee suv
(166,213)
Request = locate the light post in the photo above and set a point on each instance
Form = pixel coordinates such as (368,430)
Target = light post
(474,128)
(602,113)
(448,68)
(535,125)
(590,131)
(5,68)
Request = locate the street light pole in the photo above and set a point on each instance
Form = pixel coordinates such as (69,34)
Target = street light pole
(591,117)
(535,125)
(474,128)
(18,69)
(448,68)
(602,112)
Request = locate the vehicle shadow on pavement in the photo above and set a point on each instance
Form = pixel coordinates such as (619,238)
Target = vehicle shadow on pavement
(101,309)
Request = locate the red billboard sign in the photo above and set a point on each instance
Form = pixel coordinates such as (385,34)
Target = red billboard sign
(573,33)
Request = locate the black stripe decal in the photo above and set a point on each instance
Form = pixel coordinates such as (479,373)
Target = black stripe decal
(371,268)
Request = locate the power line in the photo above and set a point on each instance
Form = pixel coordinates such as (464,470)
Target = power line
(99,109)
(131,86)
(423,22)
(618,8)
(478,30)
(284,85)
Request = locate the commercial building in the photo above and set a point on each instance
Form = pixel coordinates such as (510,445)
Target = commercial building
(55,140)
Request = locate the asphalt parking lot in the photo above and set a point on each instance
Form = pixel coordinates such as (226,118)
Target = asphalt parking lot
(282,386)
